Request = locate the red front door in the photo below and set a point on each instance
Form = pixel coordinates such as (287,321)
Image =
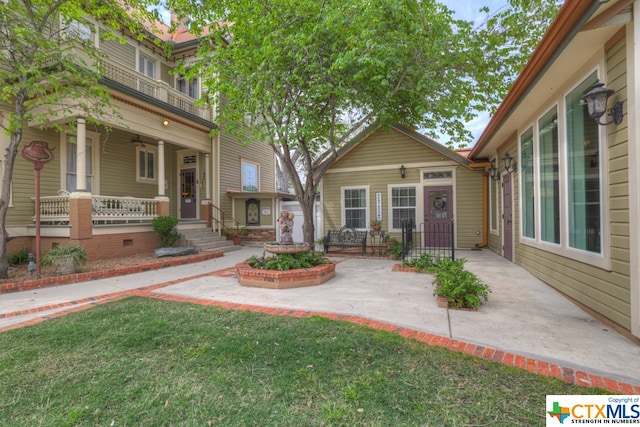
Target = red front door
(188,202)
(438,214)
(507,218)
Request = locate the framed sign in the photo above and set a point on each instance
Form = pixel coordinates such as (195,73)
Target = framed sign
(379,206)
(266,210)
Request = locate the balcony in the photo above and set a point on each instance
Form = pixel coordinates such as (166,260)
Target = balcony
(54,210)
(154,88)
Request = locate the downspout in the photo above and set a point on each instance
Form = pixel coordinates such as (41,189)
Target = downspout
(485,210)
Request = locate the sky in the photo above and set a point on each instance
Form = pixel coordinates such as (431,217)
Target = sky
(469,10)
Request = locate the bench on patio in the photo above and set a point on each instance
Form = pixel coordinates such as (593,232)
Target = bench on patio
(345,237)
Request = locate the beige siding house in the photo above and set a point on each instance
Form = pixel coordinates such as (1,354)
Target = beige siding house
(158,158)
(568,211)
(389,173)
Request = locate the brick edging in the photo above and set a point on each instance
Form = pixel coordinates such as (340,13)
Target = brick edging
(540,367)
(103,274)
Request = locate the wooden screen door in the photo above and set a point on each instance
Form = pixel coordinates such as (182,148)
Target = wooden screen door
(507,218)
(188,202)
(438,213)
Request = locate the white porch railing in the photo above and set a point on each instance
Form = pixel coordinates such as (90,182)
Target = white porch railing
(118,209)
(104,209)
(54,209)
(155,88)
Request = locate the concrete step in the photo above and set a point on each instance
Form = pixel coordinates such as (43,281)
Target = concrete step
(203,239)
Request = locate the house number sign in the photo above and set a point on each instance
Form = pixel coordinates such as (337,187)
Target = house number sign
(379,206)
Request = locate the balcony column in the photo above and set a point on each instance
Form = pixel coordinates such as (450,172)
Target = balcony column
(81,154)
(161,176)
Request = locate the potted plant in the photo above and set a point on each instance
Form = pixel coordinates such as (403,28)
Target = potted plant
(65,259)
(376,224)
(236,234)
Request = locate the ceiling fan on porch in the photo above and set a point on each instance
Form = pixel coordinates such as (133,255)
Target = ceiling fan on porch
(138,141)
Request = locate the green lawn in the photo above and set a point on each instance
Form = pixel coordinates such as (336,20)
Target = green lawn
(144,362)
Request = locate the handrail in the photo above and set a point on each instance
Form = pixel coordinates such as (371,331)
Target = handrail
(155,88)
(222,215)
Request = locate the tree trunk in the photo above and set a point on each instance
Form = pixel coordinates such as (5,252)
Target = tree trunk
(5,195)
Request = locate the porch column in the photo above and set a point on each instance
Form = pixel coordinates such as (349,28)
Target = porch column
(207,176)
(161,177)
(81,154)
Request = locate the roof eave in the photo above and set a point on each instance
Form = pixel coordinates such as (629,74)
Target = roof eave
(570,19)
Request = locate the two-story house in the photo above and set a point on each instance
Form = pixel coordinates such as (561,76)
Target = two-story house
(108,181)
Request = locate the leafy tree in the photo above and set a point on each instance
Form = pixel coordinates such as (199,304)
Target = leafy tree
(314,73)
(48,70)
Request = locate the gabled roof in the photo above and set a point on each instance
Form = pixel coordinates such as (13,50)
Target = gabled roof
(402,129)
(570,19)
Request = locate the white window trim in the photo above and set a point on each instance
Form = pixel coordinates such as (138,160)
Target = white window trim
(180,77)
(390,188)
(601,260)
(147,149)
(95,139)
(251,162)
(367,207)
(150,58)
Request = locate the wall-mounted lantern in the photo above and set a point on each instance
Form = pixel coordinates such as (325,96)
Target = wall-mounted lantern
(509,165)
(403,171)
(596,99)
(493,171)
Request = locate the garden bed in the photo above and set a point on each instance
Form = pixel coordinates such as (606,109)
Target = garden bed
(273,279)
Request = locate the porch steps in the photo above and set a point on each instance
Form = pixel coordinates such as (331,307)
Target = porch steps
(203,239)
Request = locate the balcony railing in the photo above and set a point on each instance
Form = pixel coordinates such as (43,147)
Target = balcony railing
(104,210)
(154,88)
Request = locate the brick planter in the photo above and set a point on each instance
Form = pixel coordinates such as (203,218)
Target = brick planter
(271,279)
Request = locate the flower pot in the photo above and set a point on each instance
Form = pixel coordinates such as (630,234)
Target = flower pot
(236,240)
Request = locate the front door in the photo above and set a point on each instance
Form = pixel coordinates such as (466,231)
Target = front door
(507,218)
(438,216)
(188,202)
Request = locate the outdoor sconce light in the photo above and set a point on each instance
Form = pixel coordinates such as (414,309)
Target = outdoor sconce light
(403,171)
(136,140)
(165,122)
(509,165)
(493,171)
(596,99)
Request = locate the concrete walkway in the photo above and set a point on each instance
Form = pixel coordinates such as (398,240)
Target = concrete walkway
(525,323)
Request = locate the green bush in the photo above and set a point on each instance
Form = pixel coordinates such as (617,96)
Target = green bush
(424,263)
(286,262)
(20,258)
(395,250)
(460,287)
(165,226)
(76,252)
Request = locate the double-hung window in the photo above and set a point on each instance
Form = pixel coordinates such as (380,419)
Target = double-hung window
(72,163)
(146,164)
(403,205)
(354,202)
(549,177)
(188,87)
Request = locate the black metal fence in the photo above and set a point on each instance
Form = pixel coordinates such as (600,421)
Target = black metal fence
(435,239)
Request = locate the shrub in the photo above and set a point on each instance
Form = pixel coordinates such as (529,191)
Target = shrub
(424,263)
(395,249)
(286,262)
(75,252)
(460,287)
(19,258)
(165,226)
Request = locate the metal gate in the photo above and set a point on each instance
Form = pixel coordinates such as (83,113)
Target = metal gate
(435,239)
